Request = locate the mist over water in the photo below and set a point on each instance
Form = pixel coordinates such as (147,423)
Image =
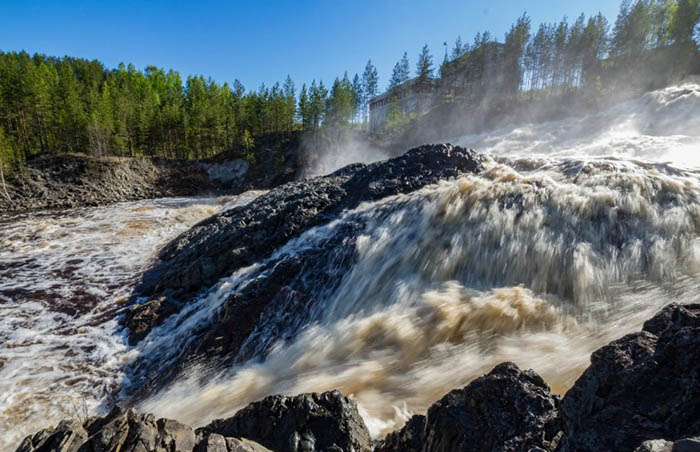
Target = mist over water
(576,232)
(659,126)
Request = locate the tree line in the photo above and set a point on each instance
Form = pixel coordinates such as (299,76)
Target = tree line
(50,105)
(651,43)
(564,56)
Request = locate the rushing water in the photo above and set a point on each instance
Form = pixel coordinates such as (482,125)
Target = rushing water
(64,277)
(577,231)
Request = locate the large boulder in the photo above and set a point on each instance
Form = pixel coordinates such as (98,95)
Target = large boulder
(128,431)
(237,238)
(293,271)
(326,422)
(68,436)
(505,410)
(641,387)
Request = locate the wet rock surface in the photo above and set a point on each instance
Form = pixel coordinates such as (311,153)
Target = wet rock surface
(278,300)
(641,393)
(325,422)
(235,239)
(506,410)
(306,422)
(641,387)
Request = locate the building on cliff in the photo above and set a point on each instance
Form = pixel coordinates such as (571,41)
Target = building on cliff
(474,75)
(413,96)
(471,77)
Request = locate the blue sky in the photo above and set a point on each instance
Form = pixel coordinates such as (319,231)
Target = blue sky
(263,41)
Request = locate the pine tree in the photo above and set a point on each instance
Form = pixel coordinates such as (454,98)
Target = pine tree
(633,29)
(370,85)
(396,78)
(594,47)
(304,110)
(459,48)
(516,40)
(684,21)
(424,67)
(290,103)
(401,72)
(359,97)
(405,68)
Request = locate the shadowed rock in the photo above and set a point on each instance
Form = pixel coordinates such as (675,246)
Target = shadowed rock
(326,422)
(128,431)
(505,410)
(641,393)
(641,387)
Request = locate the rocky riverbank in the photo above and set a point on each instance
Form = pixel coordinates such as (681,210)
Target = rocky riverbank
(641,393)
(76,180)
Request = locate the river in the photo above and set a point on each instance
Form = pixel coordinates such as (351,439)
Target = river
(576,232)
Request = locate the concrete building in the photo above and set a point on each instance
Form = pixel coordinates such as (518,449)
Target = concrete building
(413,96)
(470,77)
(476,74)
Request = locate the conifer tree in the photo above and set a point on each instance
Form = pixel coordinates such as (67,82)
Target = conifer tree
(290,103)
(424,67)
(304,110)
(370,86)
(459,48)
(358,96)
(396,78)
(401,72)
(405,68)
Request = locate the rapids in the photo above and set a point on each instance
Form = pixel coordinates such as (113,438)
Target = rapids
(577,231)
(64,276)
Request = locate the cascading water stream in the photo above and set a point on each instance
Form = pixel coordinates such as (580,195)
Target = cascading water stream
(576,232)
(539,266)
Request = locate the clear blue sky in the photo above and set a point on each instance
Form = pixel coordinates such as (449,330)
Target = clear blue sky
(263,41)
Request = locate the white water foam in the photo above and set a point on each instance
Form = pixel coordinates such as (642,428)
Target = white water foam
(577,232)
(64,276)
(538,266)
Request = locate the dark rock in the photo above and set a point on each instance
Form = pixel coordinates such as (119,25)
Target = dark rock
(128,431)
(505,410)
(275,302)
(71,180)
(408,439)
(326,422)
(77,180)
(687,445)
(244,445)
(643,386)
(212,442)
(68,436)
(120,430)
(226,242)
